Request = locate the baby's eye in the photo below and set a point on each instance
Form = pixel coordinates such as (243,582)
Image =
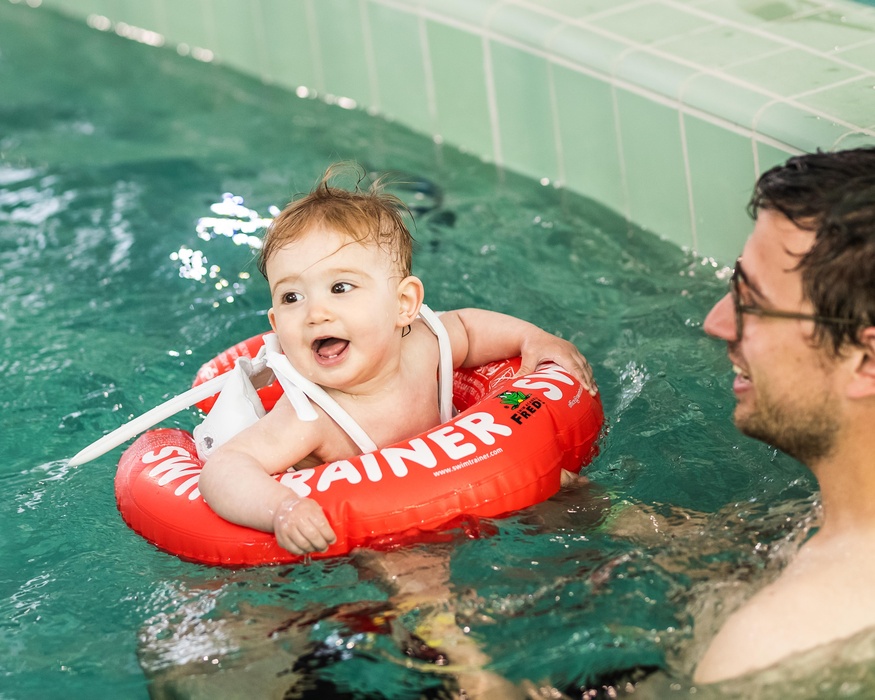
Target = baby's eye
(341,288)
(291,297)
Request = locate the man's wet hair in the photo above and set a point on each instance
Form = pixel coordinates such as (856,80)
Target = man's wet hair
(833,195)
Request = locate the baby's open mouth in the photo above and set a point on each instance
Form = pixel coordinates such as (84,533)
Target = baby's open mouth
(329,348)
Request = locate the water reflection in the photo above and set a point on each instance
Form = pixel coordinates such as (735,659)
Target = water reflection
(230,220)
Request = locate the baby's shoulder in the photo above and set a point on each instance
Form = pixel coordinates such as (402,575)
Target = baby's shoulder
(316,441)
(419,340)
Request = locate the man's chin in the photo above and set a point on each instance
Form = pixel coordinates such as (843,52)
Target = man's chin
(751,425)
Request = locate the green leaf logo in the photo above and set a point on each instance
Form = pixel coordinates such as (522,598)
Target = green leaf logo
(512,399)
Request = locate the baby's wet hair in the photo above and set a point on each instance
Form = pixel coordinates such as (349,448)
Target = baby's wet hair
(365,214)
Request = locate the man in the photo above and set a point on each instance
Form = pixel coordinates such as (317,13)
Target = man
(799,323)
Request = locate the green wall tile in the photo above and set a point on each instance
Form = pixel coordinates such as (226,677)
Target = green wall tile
(460,88)
(792,72)
(856,139)
(719,45)
(106,8)
(474,13)
(754,13)
(163,11)
(238,42)
(588,49)
(139,14)
(661,75)
(74,8)
(288,45)
(654,168)
(827,30)
(343,57)
(577,9)
(769,155)
(525,113)
(853,102)
(524,25)
(401,77)
(722,174)
(67,7)
(650,22)
(730,101)
(188,23)
(587,136)
(862,56)
(795,125)
(787,72)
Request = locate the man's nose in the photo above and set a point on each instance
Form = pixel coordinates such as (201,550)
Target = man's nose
(720,321)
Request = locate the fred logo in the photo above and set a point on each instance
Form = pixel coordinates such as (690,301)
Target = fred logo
(523,405)
(512,399)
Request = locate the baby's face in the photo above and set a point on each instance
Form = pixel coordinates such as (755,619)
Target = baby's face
(335,307)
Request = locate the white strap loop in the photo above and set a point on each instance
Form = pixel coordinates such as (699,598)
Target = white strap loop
(445,366)
(298,388)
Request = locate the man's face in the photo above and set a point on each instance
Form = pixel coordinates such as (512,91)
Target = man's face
(784,382)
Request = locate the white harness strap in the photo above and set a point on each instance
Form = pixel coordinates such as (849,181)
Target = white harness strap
(298,388)
(295,385)
(238,406)
(445,366)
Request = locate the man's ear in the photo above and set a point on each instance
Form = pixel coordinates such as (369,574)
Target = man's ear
(410,295)
(863,383)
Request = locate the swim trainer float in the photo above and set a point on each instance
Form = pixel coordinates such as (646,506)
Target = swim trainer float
(504,451)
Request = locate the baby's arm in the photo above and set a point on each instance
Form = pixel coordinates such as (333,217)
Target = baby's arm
(237,481)
(479,336)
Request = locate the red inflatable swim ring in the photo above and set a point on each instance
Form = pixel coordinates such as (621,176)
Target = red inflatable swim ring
(503,452)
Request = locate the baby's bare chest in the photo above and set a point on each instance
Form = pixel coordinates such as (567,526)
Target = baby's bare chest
(386,421)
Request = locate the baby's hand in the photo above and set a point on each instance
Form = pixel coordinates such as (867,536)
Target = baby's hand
(301,527)
(545,347)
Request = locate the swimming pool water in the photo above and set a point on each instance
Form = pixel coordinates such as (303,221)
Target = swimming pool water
(110,155)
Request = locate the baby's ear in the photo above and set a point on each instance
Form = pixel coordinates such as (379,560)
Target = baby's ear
(271,316)
(410,295)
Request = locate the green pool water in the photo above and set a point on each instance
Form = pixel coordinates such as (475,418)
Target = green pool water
(111,153)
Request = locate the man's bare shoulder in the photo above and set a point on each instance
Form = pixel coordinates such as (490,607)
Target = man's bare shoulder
(821,597)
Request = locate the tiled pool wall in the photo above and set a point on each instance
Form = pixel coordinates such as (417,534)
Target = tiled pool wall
(663,110)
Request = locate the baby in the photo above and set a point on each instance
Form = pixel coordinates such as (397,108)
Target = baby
(350,318)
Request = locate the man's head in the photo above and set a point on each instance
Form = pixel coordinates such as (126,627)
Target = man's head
(798,319)
(364,216)
(833,196)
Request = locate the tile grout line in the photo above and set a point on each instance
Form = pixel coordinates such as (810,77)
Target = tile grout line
(621,154)
(688,180)
(261,42)
(315,46)
(492,102)
(428,68)
(557,126)
(370,57)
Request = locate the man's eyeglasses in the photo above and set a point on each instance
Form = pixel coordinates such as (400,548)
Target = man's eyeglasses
(741,309)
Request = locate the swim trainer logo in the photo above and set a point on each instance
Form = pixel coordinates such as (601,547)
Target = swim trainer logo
(465,437)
